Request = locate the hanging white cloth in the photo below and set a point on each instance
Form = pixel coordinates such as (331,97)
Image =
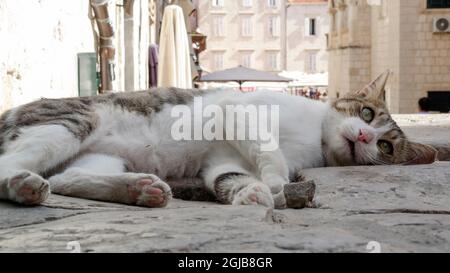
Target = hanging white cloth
(174,68)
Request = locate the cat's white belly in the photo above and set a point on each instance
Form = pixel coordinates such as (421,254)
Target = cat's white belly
(146,143)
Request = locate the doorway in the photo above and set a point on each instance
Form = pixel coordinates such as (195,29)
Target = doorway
(440,101)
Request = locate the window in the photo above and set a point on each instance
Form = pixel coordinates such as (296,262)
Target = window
(246,26)
(272,3)
(247,3)
(438,4)
(246,59)
(310,26)
(440,101)
(218,3)
(272,61)
(274,26)
(311,62)
(218,60)
(218,26)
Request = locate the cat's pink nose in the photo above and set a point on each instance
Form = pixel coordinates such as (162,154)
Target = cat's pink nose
(365,136)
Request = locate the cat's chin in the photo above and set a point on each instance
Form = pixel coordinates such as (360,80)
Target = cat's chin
(342,155)
(352,149)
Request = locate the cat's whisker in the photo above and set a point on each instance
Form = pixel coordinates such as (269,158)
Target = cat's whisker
(372,158)
(378,161)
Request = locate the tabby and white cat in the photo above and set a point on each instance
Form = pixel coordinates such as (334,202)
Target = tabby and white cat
(118,147)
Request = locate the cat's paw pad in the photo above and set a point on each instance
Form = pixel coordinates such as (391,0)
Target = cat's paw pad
(28,188)
(254,194)
(150,192)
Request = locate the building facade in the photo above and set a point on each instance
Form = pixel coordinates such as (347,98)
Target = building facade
(269,35)
(39,52)
(368,37)
(307,26)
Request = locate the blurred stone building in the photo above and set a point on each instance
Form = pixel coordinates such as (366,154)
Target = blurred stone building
(410,37)
(50,48)
(48,45)
(40,43)
(269,35)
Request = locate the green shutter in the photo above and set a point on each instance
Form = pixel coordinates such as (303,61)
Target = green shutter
(88,81)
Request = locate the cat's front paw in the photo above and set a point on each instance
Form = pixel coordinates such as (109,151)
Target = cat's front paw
(28,188)
(279,200)
(276,185)
(150,192)
(254,194)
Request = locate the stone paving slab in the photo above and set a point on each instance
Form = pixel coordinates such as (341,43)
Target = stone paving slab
(405,209)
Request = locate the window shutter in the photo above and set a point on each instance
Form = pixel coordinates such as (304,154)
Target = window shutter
(269,26)
(307,26)
(276,26)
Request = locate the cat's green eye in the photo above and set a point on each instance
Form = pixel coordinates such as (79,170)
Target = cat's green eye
(386,147)
(367,114)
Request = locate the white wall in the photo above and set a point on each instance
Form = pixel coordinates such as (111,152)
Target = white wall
(38,49)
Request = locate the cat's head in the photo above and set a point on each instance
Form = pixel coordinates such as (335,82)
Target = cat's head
(359,130)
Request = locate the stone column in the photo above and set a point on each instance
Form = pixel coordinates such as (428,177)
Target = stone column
(129,42)
(137,41)
(352,19)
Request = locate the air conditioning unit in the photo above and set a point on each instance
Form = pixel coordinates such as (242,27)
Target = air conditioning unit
(441,25)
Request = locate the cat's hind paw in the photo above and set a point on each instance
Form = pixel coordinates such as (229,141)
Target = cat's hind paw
(254,194)
(150,192)
(28,188)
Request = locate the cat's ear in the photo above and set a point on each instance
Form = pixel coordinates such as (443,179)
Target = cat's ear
(375,89)
(420,154)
